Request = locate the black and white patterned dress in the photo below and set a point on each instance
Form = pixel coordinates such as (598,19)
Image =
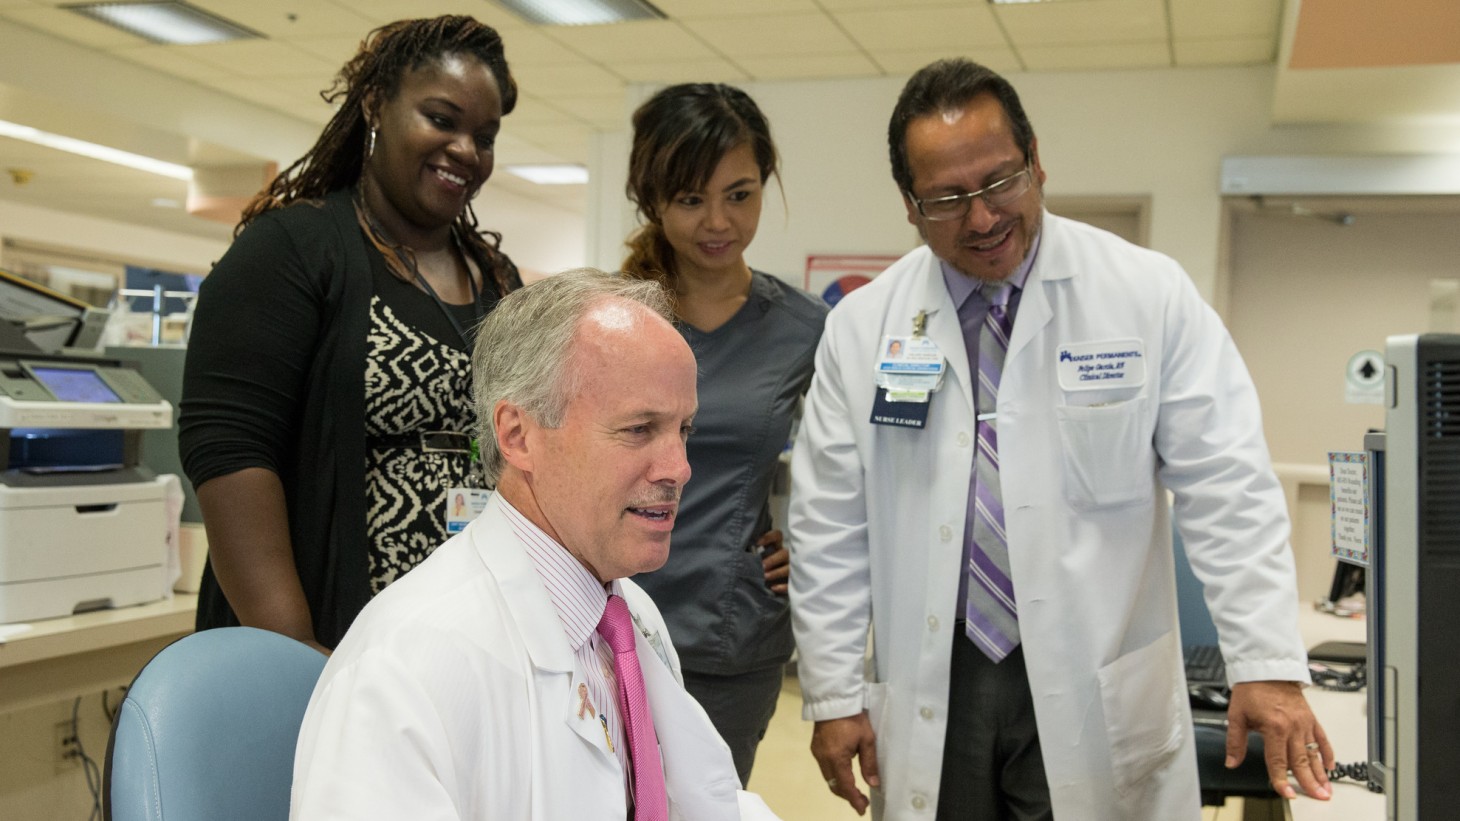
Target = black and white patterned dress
(417,378)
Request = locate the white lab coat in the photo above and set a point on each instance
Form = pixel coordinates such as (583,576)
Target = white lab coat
(877,522)
(453,697)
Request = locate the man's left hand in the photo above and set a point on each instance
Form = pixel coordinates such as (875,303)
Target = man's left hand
(1292,739)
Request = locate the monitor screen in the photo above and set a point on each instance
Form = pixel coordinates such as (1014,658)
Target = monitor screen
(74,384)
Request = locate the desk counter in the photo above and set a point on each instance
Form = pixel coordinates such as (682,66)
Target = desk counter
(1344,717)
(63,658)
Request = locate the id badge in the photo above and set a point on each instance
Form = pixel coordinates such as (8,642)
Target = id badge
(909,368)
(462,505)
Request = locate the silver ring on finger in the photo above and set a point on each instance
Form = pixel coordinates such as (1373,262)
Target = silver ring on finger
(831,783)
(1310,746)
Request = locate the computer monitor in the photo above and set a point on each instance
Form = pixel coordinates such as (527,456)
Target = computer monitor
(33,316)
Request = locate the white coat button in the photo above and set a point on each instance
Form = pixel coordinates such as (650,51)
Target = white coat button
(918,802)
(945,533)
(962,440)
(932,622)
(927,713)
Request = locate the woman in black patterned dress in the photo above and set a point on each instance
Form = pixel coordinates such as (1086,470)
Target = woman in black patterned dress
(326,415)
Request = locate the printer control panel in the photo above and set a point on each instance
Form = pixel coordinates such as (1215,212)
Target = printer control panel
(66,393)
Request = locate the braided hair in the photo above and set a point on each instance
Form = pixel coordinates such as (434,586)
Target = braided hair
(337,158)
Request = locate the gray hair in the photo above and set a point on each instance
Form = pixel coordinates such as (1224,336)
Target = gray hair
(525,346)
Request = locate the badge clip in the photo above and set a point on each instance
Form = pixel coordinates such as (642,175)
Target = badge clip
(920,324)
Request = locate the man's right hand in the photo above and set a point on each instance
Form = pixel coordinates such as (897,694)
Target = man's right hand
(835,743)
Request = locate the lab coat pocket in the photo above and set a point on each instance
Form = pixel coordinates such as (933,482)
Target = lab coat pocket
(1142,711)
(1109,460)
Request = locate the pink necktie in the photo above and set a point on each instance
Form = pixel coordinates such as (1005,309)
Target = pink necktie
(617,628)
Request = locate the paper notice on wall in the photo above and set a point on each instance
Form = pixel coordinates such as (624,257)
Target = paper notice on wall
(1349,495)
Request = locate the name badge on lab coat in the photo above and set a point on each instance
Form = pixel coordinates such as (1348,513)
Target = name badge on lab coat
(1108,363)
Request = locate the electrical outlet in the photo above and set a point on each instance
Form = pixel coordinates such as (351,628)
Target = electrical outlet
(68,756)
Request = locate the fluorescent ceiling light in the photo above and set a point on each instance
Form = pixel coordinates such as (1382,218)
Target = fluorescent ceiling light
(563,174)
(583,12)
(172,23)
(94,151)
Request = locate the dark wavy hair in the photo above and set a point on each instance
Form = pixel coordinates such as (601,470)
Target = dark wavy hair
(386,55)
(680,135)
(948,85)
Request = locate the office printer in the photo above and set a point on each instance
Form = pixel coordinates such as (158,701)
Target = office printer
(82,524)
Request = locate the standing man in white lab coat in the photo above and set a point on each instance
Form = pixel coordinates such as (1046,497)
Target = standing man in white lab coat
(517,673)
(991,498)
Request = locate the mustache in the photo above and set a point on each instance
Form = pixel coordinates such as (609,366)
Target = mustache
(659,496)
(980,236)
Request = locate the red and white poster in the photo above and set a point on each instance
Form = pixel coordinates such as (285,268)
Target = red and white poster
(833,276)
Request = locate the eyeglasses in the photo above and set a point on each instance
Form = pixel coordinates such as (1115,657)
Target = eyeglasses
(955,207)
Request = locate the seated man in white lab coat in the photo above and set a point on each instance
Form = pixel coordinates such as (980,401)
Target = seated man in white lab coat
(479,686)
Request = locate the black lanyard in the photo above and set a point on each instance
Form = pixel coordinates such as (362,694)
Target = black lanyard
(476,295)
(410,258)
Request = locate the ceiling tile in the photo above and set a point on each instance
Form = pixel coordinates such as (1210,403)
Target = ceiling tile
(532,110)
(1095,57)
(698,9)
(300,90)
(999,58)
(772,35)
(929,28)
(681,71)
(261,58)
(71,26)
(386,11)
(171,60)
(551,80)
(553,144)
(605,111)
(643,39)
(851,5)
(1090,21)
(283,19)
(1225,52)
(1228,19)
(528,47)
(253,90)
(811,66)
(333,50)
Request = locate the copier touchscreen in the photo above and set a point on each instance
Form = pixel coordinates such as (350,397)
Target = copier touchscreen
(74,385)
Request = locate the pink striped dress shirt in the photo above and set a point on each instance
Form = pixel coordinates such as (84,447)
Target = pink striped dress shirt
(580,600)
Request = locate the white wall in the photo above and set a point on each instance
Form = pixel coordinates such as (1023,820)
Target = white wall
(540,238)
(1158,133)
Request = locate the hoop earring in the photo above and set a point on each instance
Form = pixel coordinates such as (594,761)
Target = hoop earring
(370,148)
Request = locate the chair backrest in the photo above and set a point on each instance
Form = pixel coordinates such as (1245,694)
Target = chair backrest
(208,728)
(1197,627)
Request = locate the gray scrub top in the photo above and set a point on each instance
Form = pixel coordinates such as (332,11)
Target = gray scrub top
(753,371)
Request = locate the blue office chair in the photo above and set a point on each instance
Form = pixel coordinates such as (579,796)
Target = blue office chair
(1249,780)
(207,729)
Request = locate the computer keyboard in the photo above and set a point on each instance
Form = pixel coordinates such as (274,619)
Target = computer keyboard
(1204,665)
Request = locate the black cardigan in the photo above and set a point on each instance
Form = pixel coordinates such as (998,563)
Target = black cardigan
(275,378)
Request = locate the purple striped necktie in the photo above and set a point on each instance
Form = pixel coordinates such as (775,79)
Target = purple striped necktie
(651,803)
(992,617)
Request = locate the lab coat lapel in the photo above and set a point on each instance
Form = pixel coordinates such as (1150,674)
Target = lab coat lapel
(537,621)
(1034,309)
(698,774)
(942,327)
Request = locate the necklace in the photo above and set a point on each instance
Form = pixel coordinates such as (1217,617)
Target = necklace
(409,258)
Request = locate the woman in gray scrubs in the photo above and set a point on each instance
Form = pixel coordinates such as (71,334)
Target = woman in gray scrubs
(701,156)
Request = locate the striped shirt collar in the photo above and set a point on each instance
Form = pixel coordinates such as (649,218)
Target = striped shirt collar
(576,594)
